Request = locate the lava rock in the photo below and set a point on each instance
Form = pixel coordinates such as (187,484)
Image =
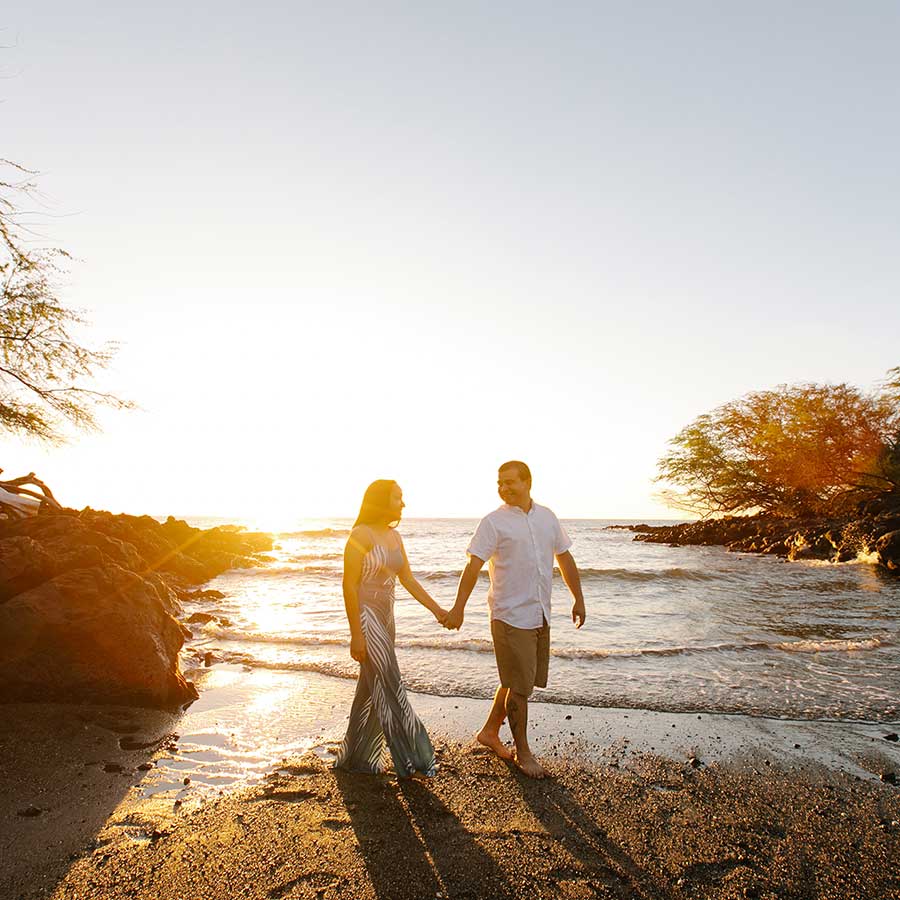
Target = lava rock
(99,634)
(888,548)
(89,604)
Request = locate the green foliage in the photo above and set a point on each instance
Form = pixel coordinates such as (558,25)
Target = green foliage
(886,472)
(794,450)
(43,370)
(887,469)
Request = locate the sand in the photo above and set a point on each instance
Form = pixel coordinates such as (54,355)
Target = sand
(716,806)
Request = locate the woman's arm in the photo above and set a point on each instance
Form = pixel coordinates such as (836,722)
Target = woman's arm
(354,552)
(408,580)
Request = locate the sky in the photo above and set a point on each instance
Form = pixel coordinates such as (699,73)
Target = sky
(346,241)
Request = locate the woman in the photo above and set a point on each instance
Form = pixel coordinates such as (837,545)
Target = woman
(373,559)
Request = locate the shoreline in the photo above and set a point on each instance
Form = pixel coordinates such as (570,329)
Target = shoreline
(93,823)
(236,717)
(234,796)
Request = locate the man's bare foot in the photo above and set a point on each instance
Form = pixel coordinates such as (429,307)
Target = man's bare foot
(493,742)
(531,767)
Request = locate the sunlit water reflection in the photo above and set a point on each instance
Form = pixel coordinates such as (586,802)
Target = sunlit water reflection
(675,629)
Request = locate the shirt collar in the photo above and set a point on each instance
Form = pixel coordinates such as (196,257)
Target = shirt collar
(514,508)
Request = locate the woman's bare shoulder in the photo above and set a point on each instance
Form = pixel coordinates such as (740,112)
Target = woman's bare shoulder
(360,538)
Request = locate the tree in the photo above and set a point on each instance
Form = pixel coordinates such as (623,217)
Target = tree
(43,369)
(792,450)
(886,472)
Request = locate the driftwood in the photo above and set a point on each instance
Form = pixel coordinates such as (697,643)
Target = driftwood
(19,502)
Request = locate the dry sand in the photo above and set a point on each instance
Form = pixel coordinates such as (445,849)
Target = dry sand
(769,809)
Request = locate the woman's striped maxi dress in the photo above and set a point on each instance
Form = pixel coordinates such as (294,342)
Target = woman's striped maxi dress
(381,711)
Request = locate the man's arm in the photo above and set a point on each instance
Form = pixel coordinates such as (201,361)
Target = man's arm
(467,582)
(569,572)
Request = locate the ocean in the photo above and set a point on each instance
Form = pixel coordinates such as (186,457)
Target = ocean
(668,628)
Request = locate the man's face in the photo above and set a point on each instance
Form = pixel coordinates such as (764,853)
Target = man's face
(512,489)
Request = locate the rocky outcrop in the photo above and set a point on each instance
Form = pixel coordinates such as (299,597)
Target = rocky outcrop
(888,549)
(872,532)
(89,604)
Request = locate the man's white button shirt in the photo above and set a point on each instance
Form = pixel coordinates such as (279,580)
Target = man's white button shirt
(519,548)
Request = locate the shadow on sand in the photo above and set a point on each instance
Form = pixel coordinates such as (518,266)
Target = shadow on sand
(64,770)
(598,859)
(414,846)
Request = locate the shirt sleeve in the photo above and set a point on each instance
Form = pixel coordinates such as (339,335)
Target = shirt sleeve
(561,541)
(484,541)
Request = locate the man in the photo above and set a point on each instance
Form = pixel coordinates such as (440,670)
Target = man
(520,540)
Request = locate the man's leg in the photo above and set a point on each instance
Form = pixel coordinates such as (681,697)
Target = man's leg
(517,710)
(489,735)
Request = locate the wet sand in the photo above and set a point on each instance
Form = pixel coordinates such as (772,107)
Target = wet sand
(641,804)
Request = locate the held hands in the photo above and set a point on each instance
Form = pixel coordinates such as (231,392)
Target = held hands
(453,620)
(578,613)
(450,619)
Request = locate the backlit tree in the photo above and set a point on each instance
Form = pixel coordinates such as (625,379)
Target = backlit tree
(44,371)
(793,450)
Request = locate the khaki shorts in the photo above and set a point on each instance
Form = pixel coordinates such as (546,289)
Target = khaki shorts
(523,656)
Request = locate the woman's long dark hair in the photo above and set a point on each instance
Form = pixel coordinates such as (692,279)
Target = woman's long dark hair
(375,503)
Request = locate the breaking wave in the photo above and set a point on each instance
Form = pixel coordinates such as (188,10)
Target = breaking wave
(831,646)
(477,645)
(295,568)
(316,532)
(596,574)
(314,557)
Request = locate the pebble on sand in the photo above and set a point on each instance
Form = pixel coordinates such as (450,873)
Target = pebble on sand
(30,811)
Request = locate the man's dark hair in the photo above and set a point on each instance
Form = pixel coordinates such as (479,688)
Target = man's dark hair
(523,470)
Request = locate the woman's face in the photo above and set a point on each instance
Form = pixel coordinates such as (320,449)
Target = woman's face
(395,504)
